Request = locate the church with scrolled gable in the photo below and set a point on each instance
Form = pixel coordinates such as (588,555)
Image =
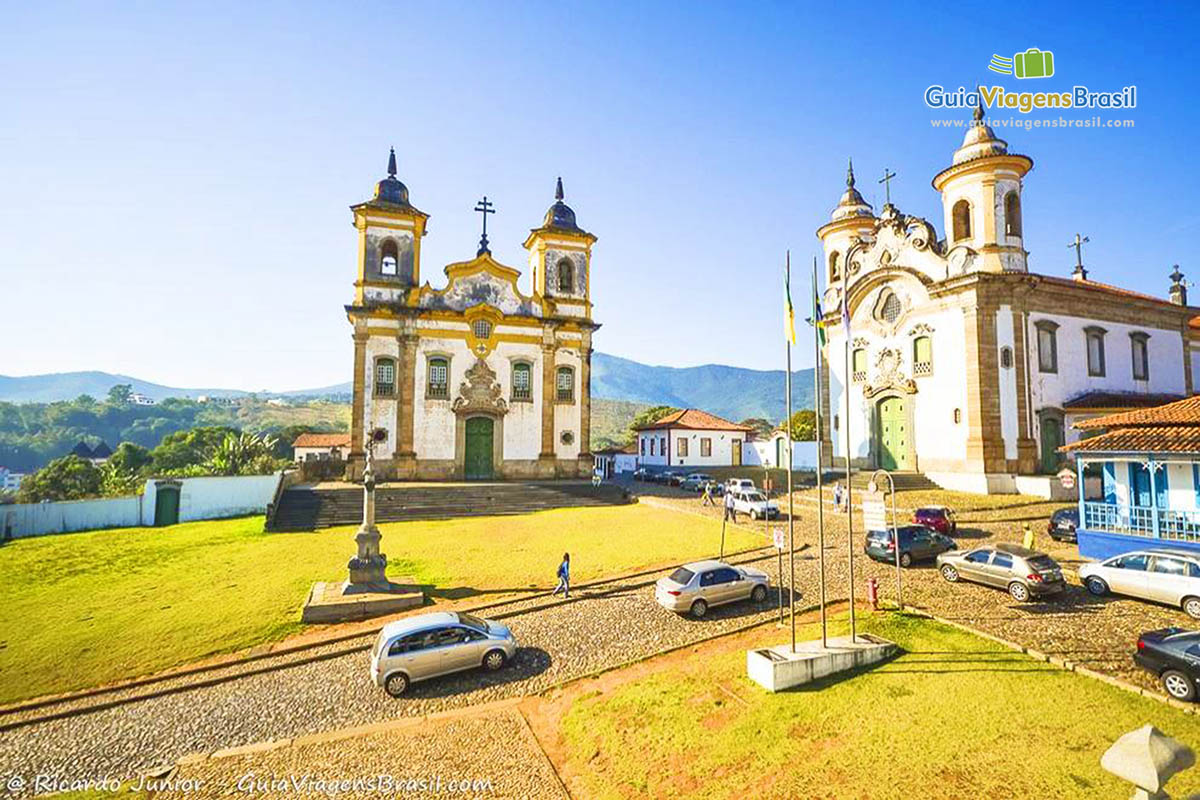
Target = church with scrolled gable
(966,365)
(475,380)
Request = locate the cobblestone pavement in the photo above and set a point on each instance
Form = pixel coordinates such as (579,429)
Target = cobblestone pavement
(566,640)
(502,761)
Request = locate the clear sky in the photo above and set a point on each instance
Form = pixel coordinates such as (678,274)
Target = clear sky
(174,179)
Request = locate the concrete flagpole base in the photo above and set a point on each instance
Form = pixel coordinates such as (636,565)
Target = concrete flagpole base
(778,668)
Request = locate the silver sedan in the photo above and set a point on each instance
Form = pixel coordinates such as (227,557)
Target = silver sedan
(694,588)
(428,645)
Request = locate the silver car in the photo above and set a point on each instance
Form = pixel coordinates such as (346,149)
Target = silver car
(694,588)
(428,645)
(1023,572)
(1162,575)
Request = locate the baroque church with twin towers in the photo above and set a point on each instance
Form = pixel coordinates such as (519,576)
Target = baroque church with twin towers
(966,365)
(474,379)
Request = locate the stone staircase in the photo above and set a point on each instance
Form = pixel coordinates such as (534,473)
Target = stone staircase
(905,481)
(307,508)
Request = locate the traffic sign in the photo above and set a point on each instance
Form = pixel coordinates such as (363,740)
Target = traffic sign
(874,511)
(777,534)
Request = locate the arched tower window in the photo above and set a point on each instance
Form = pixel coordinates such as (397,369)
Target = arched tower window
(1012,214)
(389,258)
(962,220)
(566,276)
(835,273)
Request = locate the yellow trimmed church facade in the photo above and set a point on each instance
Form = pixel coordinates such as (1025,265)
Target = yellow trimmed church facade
(475,380)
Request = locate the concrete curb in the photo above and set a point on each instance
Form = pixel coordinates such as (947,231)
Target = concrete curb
(1061,663)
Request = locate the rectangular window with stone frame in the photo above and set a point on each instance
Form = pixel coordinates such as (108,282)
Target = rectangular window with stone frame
(705,447)
(681,448)
(1047,341)
(522,385)
(1139,344)
(858,365)
(1095,351)
(438,382)
(922,356)
(564,385)
(385,377)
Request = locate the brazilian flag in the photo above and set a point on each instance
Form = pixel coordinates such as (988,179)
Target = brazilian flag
(789,313)
(817,315)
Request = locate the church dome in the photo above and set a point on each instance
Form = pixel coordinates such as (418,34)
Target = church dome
(981,141)
(851,203)
(390,189)
(560,215)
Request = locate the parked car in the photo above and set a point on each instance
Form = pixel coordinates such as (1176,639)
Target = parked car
(1062,524)
(428,645)
(695,481)
(1172,654)
(740,485)
(938,518)
(1160,574)
(673,478)
(755,504)
(917,543)
(1023,572)
(694,588)
(640,474)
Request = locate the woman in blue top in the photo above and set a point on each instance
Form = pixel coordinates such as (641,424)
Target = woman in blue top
(564,577)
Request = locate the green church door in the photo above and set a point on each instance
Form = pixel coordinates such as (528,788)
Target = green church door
(1052,439)
(477,461)
(893,434)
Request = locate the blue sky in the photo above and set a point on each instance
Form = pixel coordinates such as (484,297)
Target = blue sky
(174,179)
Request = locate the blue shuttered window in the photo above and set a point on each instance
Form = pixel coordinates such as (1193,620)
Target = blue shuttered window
(1139,485)
(1110,482)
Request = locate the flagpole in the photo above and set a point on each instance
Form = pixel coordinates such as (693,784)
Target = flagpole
(791,501)
(820,479)
(846,424)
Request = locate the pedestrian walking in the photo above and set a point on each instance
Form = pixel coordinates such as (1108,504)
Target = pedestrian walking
(1027,539)
(708,495)
(564,577)
(837,496)
(730,511)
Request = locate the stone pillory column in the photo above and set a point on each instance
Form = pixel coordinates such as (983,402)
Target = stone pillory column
(368,569)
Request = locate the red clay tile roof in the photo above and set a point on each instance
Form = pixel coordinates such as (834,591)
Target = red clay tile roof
(1142,439)
(322,440)
(1182,413)
(1104,287)
(694,419)
(1111,400)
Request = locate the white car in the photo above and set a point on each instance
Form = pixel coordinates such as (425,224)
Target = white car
(755,504)
(1160,575)
(740,485)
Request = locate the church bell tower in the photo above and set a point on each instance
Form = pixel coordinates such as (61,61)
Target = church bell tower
(560,257)
(389,241)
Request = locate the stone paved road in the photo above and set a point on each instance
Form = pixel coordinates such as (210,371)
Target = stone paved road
(567,640)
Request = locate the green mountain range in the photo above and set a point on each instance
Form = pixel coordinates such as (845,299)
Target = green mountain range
(731,392)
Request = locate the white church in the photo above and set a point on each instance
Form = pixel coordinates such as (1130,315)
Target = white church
(963,364)
(474,379)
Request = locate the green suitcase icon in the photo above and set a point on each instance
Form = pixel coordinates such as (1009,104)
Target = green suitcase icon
(1033,63)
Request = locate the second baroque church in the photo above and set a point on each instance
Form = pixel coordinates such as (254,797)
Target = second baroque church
(964,364)
(475,379)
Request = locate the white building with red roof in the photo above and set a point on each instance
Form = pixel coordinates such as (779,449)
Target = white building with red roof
(691,438)
(321,446)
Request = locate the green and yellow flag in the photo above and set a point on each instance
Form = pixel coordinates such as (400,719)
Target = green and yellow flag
(789,313)
(817,315)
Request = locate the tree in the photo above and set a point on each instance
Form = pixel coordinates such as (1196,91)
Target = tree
(120,394)
(184,449)
(243,454)
(66,478)
(85,401)
(761,427)
(646,417)
(130,457)
(804,426)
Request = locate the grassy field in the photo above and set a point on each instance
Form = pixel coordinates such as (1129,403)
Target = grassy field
(955,716)
(89,608)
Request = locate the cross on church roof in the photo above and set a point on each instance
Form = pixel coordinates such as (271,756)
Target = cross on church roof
(886,180)
(484,207)
(1079,273)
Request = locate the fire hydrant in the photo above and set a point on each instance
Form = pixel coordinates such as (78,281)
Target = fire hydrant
(873,593)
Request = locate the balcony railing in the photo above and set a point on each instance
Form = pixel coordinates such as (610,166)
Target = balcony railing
(1140,521)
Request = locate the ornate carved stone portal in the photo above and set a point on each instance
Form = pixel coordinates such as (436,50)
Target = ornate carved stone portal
(889,375)
(480,391)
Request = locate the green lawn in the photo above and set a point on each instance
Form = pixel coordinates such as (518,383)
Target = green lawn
(956,716)
(89,608)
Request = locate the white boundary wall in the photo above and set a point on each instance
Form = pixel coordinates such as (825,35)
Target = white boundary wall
(199,499)
(762,454)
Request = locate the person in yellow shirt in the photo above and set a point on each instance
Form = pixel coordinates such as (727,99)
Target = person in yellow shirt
(1028,538)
